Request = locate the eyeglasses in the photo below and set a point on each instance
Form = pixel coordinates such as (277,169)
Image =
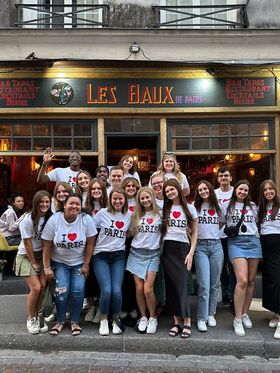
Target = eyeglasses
(158,183)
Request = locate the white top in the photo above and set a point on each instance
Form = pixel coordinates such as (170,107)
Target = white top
(159,203)
(135,175)
(69,239)
(97,207)
(223,197)
(177,224)
(170,175)
(84,198)
(148,232)
(131,205)
(64,174)
(9,223)
(113,228)
(250,218)
(27,231)
(269,226)
(208,223)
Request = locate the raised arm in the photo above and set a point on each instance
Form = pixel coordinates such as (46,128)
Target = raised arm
(47,157)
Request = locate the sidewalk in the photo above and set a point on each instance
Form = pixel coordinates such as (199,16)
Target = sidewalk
(220,340)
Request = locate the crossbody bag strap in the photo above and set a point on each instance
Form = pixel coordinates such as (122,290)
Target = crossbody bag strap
(238,225)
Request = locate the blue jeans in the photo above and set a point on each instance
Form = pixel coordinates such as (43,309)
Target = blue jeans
(208,258)
(109,270)
(70,284)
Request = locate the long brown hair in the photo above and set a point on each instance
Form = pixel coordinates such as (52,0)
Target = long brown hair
(263,201)
(58,204)
(111,207)
(167,204)
(213,202)
(90,200)
(133,168)
(132,180)
(35,212)
(233,199)
(78,188)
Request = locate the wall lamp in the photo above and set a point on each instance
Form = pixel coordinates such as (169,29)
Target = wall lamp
(134,48)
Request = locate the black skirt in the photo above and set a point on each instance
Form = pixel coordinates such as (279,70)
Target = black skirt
(271,272)
(176,278)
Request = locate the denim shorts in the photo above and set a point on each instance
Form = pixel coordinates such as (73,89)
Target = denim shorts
(248,247)
(142,261)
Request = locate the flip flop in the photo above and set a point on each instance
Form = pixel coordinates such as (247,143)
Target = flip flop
(57,329)
(172,332)
(186,332)
(75,329)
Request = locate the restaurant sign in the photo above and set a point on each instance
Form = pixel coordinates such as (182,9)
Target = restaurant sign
(137,93)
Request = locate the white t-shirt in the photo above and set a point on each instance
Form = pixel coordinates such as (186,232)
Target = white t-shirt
(69,239)
(250,218)
(159,203)
(64,174)
(113,228)
(170,175)
(84,199)
(96,208)
(223,197)
(148,232)
(9,223)
(208,223)
(131,204)
(135,175)
(177,224)
(27,231)
(269,226)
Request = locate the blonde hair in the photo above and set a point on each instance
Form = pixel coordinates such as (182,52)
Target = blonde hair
(176,170)
(140,210)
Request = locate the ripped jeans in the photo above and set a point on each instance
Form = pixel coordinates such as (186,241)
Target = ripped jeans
(70,285)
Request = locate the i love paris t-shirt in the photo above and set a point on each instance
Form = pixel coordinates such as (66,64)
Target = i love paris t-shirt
(113,228)
(27,231)
(147,235)
(269,226)
(64,174)
(177,224)
(69,239)
(208,223)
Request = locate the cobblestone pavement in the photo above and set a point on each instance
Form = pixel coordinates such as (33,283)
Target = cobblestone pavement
(15,361)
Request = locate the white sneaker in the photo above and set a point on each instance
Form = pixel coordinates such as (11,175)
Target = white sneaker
(211,320)
(32,326)
(273,323)
(238,327)
(85,304)
(104,327)
(96,318)
(43,327)
(116,329)
(152,325)
(277,331)
(142,324)
(201,326)
(50,318)
(246,321)
(89,314)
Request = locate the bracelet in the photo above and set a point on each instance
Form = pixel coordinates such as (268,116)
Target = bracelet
(46,269)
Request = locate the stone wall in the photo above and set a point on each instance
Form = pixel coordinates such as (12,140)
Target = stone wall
(264,14)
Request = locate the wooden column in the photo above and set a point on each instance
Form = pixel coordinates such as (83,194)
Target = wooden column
(101,143)
(163,135)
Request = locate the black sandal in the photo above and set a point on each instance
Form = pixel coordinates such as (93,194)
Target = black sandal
(174,333)
(186,332)
(57,329)
(75,329)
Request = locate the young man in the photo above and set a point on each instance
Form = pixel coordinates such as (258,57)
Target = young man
(67,174)
(115,178)
(224,193)
(102,173)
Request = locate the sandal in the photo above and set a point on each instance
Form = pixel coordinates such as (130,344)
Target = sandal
(57,329)
(75,329)
(175,330)
(186,332)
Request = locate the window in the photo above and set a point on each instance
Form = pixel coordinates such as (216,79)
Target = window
(36,136)
(231,135)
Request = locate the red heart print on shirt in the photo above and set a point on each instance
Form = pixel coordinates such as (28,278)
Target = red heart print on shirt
(150,220)
(244,211)
(72,236)
(131,208)
(74,179)
(270,211)
(225,199)
(119,224)
(176,214)
(211,212)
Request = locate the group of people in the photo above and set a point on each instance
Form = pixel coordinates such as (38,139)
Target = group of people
(110,238)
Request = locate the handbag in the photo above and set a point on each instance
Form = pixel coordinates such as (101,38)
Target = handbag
(233,230)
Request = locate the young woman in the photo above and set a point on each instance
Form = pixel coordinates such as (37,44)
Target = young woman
(244,251)
(69,239)
(178,253)
(269,220)
(96,200)
(11,219)
(131,186)
(82,185)
(129,168)
(60,192)
(144,257)
(109,257)
(169,169)
(208,256)
(29,259)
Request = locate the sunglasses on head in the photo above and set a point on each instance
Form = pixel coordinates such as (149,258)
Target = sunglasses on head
(169,154)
